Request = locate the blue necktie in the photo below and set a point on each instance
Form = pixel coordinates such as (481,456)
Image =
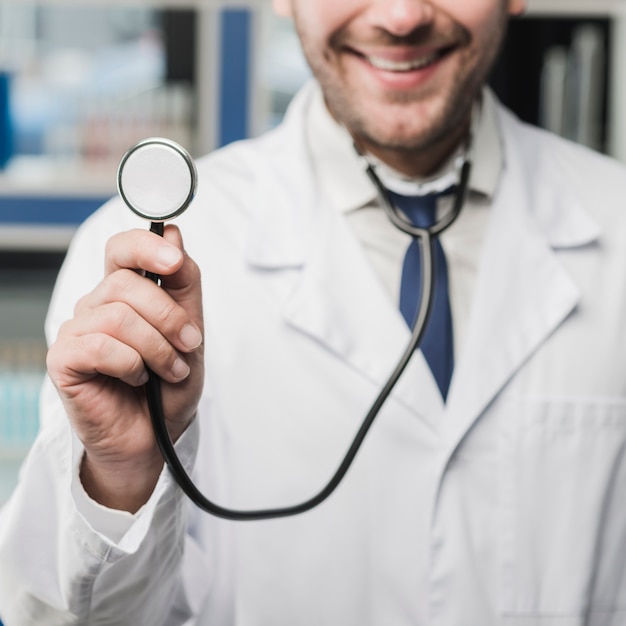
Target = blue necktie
(437,341)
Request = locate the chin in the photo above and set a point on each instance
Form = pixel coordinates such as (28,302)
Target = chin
(402,136)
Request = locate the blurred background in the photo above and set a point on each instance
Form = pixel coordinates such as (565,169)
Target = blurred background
(83,80)
(80,82)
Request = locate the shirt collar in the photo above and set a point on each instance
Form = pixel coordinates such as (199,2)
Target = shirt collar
(341,172)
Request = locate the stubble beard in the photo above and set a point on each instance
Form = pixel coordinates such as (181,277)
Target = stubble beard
(449,116)
(404,133)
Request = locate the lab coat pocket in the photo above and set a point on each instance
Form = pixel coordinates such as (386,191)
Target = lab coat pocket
(564,513)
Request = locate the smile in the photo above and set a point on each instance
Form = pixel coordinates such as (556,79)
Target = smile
(411,65)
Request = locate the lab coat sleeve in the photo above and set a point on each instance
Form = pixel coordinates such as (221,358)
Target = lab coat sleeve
(56,568)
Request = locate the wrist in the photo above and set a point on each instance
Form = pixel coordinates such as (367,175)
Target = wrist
(118,485)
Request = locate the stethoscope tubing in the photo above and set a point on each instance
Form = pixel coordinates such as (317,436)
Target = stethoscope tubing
(427,252)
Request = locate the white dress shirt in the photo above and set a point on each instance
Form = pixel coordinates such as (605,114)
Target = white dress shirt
(384,244)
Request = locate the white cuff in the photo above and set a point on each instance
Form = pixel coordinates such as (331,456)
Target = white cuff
(113,524)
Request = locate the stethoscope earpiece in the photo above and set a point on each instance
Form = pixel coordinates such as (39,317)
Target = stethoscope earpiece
(157,179)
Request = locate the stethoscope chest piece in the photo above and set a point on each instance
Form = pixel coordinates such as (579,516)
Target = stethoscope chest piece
(157,179)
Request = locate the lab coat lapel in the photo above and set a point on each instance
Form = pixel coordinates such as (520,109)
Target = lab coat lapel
(340,303)
(523,293)
(333,296)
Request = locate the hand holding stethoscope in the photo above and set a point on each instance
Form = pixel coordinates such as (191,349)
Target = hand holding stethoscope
(157,179)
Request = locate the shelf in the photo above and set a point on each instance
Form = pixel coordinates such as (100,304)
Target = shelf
(42,202)
(36,175)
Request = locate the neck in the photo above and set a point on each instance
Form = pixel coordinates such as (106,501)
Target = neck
(418,162)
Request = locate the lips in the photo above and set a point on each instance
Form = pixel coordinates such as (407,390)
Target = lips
(402,60)
(390,65)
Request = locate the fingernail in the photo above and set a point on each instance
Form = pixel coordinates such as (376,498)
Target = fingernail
(168,255)
(180,369)
(143,378)
(190,337)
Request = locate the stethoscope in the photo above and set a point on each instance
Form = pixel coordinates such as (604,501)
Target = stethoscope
(157,179)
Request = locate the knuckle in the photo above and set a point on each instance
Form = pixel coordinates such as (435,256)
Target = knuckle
(125,245)
(117,316)
(169,311)
(134,364)
(119,284)
(167,314)
(94,343)
(163,352)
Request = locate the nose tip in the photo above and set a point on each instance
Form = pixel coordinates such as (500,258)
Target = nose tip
(401,17)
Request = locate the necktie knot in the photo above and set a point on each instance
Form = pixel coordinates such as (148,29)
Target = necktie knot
(420,210)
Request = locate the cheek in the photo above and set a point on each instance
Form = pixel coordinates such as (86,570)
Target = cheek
(322,20)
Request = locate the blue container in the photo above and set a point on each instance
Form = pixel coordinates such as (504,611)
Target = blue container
(6,125)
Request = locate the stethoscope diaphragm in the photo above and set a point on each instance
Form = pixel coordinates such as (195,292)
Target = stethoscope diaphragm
(157,179)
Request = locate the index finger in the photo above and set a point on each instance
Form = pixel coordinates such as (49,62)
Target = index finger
(143,250)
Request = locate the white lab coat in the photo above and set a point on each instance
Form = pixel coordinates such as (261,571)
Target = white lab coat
(507,506)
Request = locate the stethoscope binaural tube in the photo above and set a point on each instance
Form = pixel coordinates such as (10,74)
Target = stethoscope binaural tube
(424,237)
(153,386)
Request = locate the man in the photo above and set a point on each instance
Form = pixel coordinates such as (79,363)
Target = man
(498,502)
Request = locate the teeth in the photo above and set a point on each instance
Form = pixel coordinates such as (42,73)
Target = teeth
(402,66)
